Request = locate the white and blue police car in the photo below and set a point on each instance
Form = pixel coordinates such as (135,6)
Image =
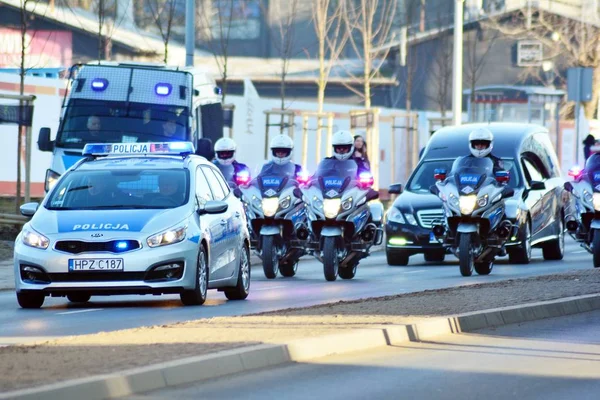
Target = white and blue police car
(134,218)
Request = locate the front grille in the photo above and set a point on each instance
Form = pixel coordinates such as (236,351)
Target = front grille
(97,276)
(113,246)
(427,218)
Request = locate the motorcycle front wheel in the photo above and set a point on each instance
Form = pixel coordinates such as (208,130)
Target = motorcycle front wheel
(330,259)
(465,254)
(270,257)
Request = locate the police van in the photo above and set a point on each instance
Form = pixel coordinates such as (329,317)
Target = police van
(118,102)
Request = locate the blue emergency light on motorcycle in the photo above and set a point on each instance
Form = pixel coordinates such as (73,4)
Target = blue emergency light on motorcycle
(365,179)
(242,178)
(99,84)
(575,171)
(163,89)
(439,174)
(502,176)
(166,148)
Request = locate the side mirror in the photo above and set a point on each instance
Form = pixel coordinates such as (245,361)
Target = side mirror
(568,187)
(213,207)
(502,176)
(237,193)
(439,174)
(537,185)
(28,209)
(298,193)
(44,142)
(434,190)
(396,188)
(508,192)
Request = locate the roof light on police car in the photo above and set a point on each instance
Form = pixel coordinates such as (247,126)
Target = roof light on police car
(173,148)
(99,84)
(163,89)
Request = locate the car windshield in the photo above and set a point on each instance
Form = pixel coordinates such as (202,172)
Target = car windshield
(100,121)
(120,189)
(423,177)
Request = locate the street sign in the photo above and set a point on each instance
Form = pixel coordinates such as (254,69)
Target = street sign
(579,84)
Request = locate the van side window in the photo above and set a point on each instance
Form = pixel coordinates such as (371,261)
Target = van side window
(531,172)
(198,118)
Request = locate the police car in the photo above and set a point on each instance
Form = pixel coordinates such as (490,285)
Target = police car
(134,218)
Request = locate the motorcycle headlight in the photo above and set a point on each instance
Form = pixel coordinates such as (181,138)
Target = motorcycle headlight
(347,204)
(34,239)
(395,215)
(331,207)
(482,201)
(51,179)
(467,204)
(285,202)
(453,201)
(596,201)
(170,236)
(410,219)
(270,206)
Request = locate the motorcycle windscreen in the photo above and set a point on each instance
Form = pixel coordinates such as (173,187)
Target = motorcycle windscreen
(228,172)
(274,178)
(472,171)
(595,177)
(332,174)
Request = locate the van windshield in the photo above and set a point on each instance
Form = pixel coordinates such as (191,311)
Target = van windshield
(101,121)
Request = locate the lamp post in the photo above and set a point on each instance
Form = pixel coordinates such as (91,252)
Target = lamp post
(457,67)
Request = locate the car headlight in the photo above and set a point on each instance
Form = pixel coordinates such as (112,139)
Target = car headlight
(482,201)
(331,207)
(51,179)
(410,219)
(270,206)
(170,236)
(347,204)
(395,215)
(34,239)
(285,202)
(596,201)
(467,204)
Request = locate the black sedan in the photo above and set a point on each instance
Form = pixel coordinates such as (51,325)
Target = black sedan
(537,207)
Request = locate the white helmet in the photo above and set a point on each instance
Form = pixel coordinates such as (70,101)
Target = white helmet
(281,144)
(343,145)
(225,151)
(481,137)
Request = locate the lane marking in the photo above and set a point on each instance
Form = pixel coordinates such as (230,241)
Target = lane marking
(267,288)
(580,251)
(412,272)
(79,311)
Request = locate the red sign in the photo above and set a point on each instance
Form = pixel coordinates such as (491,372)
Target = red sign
(43,49)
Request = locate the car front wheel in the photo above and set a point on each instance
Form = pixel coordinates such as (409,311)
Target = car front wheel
(197,296)
(30,299)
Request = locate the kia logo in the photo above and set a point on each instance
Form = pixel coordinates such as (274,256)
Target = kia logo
(97,235)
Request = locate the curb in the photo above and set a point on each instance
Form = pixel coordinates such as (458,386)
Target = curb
(246,359)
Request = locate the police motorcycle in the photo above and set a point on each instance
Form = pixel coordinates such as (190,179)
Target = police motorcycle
(584,224)
(277,216)
(343,224)
(473,201)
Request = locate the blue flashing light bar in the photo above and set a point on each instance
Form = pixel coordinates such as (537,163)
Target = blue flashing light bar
(163,89)
(166,148)
(99,84)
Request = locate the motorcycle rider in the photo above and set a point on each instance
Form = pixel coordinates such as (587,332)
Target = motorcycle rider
(225,159)
(343,149)
(282,148)
(481,143)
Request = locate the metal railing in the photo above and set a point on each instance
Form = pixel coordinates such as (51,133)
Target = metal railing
(12,219)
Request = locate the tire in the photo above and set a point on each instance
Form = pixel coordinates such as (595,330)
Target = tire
(435,256)
(197,296)
(348,272)
(288,269)
(30,300)
(465,255)
(331,263)
(79,297)
(555,249)
(484,268)
(596,248)
(522,253)
(270,259)
(242,287)
(397,258)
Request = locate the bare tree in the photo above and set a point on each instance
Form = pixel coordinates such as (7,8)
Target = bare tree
(441,71)
(327,19)
(477,48)
(576,41)
(217,23)
(285,12)
(162,12)
(372,20)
